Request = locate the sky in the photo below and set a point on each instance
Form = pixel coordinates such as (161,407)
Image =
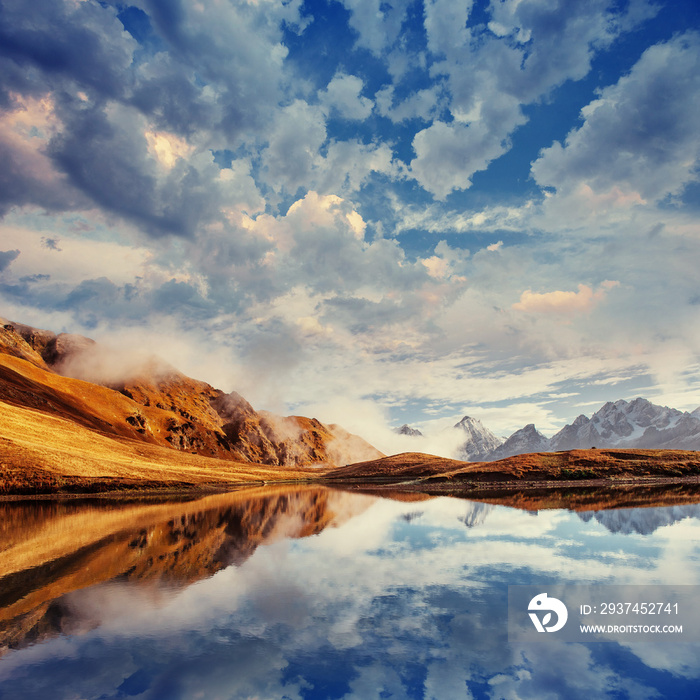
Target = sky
(371,212)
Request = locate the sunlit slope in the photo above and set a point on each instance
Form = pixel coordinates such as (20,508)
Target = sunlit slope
(44,453)
(143,397)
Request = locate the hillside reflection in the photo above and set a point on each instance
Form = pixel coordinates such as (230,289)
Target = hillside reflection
(307,592)
(49,549)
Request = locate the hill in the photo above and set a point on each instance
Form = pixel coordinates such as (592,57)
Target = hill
(145,399)
(540,468)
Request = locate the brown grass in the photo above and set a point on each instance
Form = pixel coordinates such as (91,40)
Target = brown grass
(41,453)
(576,465)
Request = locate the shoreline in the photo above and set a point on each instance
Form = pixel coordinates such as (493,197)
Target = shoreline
(369,484)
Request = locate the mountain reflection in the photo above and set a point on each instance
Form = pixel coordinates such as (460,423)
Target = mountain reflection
(305,593)
(51,549)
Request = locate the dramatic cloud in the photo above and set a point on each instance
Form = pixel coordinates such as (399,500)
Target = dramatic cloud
(416,206)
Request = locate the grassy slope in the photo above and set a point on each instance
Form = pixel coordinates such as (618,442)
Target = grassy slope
(574,465)
(42,453)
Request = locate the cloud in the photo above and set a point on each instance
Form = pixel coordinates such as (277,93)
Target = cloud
(294,158)
(420,104)
(298,133)
(566,303)
(640,140)
(377,23)
(224,67)
(27,175)
(6,258)
(45,44)
(343,94)
(532,48)
(447,155)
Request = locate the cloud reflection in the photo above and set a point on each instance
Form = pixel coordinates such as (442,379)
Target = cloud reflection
(377,606)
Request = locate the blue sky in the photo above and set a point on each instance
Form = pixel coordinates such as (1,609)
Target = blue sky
(373,212)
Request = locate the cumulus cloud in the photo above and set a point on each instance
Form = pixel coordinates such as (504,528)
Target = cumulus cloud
(491,79)
(343,94)
(377,23)
(640,139)
(447,155)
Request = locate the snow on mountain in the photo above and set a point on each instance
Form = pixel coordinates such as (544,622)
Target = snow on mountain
(633,424)
(406,429)
(637,423)
(527,439)
(580,435)
(480,440)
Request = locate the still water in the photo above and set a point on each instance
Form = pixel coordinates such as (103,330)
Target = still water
(316,593)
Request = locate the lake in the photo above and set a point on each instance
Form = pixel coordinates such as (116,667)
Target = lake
(316,593)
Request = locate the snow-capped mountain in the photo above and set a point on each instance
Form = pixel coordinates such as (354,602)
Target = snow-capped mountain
(479,443)
(632,424)
(406,429)
(637,423)
(527,439)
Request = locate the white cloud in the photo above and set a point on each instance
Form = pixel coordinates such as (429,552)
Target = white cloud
(446,25)
(447,155)
(344,95)
(640,139)
(421,104)
(377,23)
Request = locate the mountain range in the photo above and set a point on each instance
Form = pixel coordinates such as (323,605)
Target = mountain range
(637,424)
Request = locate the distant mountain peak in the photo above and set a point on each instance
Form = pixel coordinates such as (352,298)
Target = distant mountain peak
(406,429)
(638,423)
(480,440)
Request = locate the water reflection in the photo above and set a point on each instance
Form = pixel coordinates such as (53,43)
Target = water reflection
(313,593)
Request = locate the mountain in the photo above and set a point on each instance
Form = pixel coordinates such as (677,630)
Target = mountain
(525,440)
(635,424)
(406,429)
(480,440)
(146,399)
